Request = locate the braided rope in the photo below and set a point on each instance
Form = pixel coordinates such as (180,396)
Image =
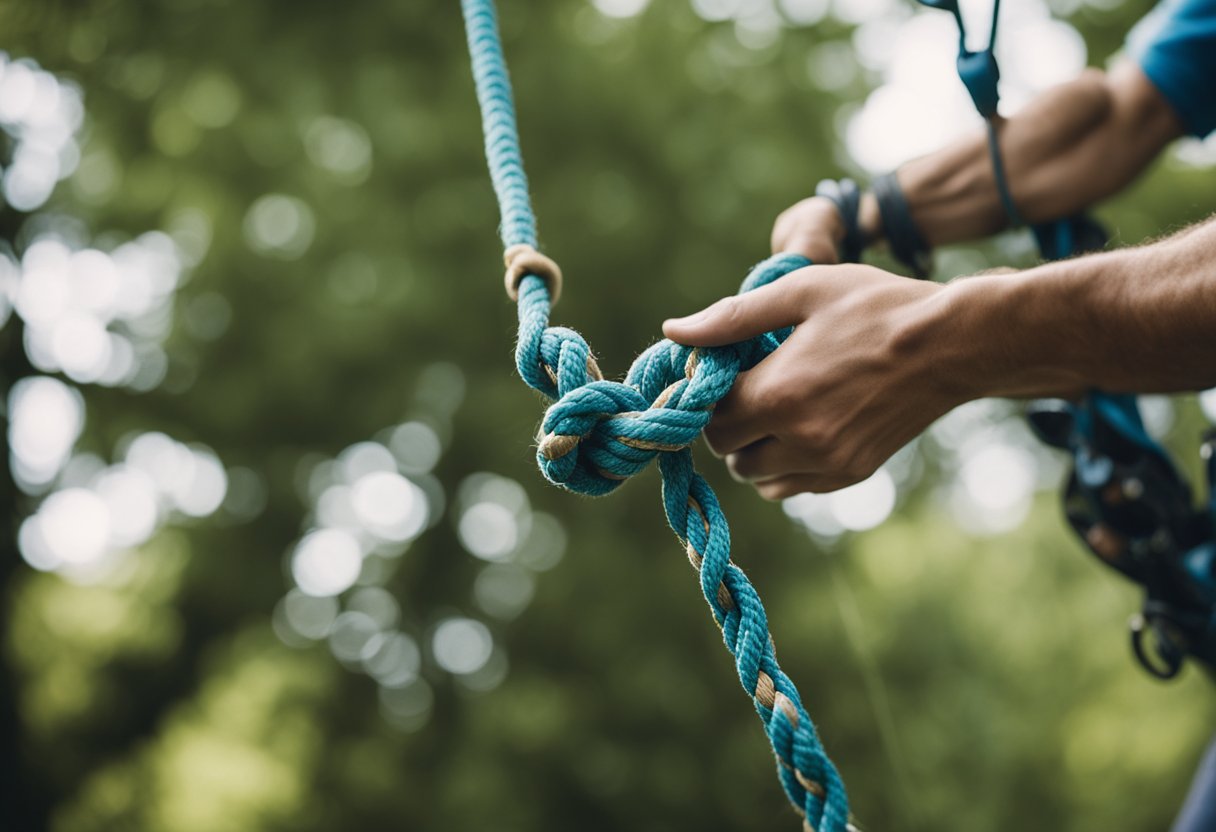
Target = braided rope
(599,433)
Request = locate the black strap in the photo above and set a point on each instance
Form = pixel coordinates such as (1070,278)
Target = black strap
(846,196)
(906,242)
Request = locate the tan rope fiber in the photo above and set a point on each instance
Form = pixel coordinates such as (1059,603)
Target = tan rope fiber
(522,260)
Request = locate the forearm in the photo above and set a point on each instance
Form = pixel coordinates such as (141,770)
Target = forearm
(1135,320)
(1073,146)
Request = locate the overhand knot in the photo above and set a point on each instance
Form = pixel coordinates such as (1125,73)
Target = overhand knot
(599,433)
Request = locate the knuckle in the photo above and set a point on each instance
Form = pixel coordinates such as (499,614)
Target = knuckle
(804,285)
(731,308)
(774,393)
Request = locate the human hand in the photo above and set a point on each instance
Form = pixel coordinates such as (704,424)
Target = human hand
(812,228)
(862,374)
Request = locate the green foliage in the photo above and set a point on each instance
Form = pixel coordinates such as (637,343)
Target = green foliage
(959,682)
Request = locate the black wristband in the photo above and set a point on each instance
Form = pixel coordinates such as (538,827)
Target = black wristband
(906,242)
(846,196)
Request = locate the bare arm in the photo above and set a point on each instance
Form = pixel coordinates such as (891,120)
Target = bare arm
(876,358)
(1135,320)
(1075,145)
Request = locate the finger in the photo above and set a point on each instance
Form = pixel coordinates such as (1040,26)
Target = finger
(741,417)
(739,317)
(768,459)
(812,228)
(811,237)
(782,229)
(817,247)
(787,486)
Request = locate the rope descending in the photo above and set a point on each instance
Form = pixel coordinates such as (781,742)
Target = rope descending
(598,433)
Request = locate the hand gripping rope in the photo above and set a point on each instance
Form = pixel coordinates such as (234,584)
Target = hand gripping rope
(598,433)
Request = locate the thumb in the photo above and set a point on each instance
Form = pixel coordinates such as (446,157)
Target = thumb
(738,317)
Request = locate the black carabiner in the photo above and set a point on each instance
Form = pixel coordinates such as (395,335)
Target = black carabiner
(1169,648)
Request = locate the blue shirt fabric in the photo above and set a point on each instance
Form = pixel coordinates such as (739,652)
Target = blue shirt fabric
(1175,45)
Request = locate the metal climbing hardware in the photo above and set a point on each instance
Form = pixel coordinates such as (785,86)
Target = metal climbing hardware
(598,433)
(981,76)
(978,70)
(1131,507)
(1124,497)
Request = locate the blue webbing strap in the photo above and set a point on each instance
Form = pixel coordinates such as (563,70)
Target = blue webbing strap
(980,75)
(846,196)
(904,238)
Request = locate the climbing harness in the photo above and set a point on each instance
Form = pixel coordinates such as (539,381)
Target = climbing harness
(598,433)
(1124,497)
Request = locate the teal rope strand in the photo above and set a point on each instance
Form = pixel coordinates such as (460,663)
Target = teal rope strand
(596,434)
(498,124)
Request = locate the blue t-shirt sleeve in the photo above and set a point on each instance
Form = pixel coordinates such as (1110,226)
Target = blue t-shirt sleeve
(1175,45)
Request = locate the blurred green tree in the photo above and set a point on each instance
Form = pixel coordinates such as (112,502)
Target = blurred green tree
(317,170)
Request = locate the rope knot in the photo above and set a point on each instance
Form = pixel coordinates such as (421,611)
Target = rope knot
(597,433)
(522,260)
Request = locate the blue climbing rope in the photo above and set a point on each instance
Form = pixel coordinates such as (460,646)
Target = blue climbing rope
(598,433)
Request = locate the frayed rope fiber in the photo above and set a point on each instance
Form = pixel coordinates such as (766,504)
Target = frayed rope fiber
(596,434)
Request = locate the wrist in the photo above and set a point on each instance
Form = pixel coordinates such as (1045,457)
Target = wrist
(1020,335)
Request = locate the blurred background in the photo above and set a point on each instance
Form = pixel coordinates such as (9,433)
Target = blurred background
(276,555)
